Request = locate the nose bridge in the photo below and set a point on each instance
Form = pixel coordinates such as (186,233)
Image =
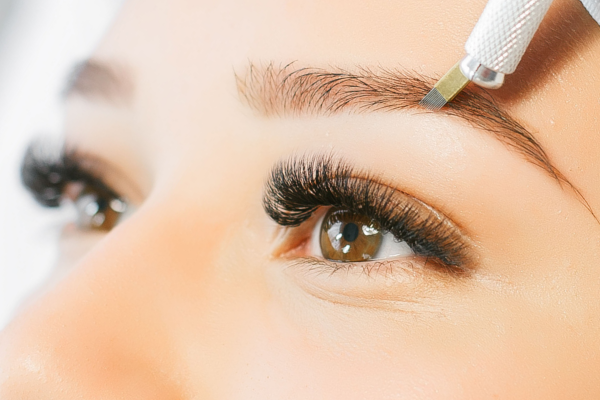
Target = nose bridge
(113,321)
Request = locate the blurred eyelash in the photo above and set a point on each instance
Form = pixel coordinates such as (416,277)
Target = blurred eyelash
(47,169)
(298,186)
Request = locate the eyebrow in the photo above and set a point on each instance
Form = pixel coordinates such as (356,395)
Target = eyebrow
(289,90)
(286,90)
(97,80)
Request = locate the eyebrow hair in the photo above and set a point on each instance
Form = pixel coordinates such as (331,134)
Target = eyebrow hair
(281,91)
(94,79)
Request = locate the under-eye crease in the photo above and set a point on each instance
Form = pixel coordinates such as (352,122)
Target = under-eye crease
(54,173)
(298,186)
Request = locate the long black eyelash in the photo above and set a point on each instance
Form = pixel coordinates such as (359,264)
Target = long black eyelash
(46,169)
(298,186)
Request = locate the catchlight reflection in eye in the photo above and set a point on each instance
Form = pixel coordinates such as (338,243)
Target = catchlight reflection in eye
(351,237)
(98,212)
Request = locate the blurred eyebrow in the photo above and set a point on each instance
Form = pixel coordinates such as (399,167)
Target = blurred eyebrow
(287,90)
(97,80)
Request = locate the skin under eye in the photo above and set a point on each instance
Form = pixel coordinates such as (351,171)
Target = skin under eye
(345,236)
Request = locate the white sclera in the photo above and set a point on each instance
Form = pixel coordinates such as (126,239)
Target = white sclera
(391,247)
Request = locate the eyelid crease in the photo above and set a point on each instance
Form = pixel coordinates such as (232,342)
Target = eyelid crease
(300,185)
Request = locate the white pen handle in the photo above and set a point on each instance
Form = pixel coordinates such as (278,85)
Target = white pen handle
(495,47)
(500,38)
(593,7)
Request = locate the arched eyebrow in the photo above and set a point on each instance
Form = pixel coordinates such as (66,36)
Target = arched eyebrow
(288,90)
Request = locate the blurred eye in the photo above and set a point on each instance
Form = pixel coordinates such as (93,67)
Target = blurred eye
(98,210)
(351,237)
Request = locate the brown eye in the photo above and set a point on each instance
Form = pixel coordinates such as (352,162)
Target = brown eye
(97,210)
(347,236)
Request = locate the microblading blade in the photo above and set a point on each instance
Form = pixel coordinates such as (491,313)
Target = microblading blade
(451,84)
(433,101)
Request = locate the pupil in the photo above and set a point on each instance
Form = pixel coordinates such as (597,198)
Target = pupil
(350,232)
(102,204)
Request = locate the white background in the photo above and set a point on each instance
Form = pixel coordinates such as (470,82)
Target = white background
(40,40)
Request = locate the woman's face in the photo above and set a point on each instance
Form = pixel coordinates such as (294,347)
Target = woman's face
(416,255)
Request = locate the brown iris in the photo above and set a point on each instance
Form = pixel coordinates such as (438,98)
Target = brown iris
(98,211)
(347,236)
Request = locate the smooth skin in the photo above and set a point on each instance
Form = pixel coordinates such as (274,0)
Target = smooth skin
(187,298)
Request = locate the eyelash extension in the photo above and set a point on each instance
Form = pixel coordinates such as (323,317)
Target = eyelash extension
(46,170)
(298,186)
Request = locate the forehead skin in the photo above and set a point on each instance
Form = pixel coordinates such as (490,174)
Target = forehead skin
(182,301)
(554,92)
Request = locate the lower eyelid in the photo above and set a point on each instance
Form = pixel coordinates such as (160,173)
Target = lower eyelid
(333,273)
(395,285)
